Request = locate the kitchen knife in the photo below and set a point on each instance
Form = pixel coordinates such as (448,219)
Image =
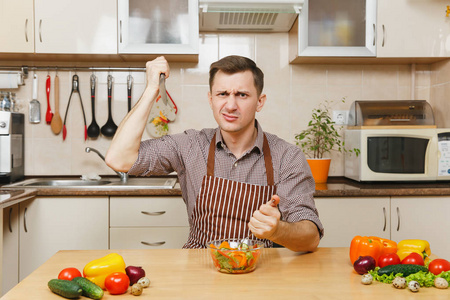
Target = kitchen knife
(162,88)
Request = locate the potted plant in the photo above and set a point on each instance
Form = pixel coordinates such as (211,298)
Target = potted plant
(319,138)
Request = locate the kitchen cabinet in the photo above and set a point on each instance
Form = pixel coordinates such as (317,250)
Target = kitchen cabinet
(344,218)
(338,28)
(16,26)
(158,27)
(76,27)
(10,259)
(148,222)
(423,218)
(412,28)
(50,224)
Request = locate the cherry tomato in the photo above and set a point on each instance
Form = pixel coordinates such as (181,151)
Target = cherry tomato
(437,266)
(388,259)
(117,283)
(69,274)
(413,259)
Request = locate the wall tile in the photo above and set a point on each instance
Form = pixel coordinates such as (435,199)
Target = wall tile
(237,44)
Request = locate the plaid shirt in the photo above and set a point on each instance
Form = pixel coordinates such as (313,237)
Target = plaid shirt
(187,154)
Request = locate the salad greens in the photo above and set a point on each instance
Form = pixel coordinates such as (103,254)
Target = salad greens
(234,260)
(423,278)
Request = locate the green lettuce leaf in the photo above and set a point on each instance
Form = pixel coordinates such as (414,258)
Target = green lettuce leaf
(423,278)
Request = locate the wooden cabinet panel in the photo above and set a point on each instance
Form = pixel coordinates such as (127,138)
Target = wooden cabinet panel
(148,211)
(16,26)
(10,259)
(50,224)
(424,218)
(148,237)
(344,218)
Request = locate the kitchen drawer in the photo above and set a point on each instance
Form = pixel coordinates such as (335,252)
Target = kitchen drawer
(147,211)
(155,237)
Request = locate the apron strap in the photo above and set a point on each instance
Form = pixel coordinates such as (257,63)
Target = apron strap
(267,160)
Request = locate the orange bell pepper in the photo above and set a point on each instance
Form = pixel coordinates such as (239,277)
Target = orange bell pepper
(371,246)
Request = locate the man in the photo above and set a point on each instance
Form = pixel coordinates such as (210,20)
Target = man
(232,177)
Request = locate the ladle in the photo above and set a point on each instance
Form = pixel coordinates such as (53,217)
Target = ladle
(109,129)
(93,130)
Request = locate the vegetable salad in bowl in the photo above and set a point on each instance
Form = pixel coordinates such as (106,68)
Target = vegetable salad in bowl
(235,256)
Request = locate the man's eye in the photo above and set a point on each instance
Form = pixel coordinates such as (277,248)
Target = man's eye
(242,95)
(223,94)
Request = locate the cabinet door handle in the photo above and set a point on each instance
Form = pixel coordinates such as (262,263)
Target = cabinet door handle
(26,30)
(40,30)
(374,33)
(398,219)
(384,35)
(153,244)
(384,212)
(25,220)
(120,31)
(156,213)
(10,213)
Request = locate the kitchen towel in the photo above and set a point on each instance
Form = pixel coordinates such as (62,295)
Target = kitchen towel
(10,80)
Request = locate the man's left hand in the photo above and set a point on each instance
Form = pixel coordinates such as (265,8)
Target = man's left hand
(265,220)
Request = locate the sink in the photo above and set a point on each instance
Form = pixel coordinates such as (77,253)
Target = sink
(112,184)
(65,182)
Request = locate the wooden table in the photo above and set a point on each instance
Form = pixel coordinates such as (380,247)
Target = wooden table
(189,274)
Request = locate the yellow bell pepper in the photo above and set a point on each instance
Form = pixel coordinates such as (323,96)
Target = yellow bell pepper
(97,270)
(405,247)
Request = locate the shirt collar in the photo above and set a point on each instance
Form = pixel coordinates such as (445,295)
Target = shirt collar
(258,142)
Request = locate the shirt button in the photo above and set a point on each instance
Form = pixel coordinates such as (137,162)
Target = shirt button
(235,164)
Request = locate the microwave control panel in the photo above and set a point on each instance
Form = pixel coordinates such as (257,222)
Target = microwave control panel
(444,150)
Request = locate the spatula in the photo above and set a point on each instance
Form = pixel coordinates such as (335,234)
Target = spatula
(56,123)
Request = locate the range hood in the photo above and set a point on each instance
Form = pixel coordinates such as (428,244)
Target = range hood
(248,15)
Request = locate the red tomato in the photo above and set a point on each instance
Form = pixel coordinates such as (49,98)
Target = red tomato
(437,266)
(413,259)
(117,283)
(388,259)
(69,274)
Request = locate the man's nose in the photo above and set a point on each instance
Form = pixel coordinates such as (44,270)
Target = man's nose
(232,102)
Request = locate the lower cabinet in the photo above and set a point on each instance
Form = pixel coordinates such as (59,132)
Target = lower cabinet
(148,222)
(425,218)
(344,218)
(47,225)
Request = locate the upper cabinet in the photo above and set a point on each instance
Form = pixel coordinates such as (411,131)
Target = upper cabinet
(359,31)
(16,26)
(335,28)
(158,27)
(412,28)
(75,27)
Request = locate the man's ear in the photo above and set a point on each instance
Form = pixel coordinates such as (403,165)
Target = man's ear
(261,101)
(210,99)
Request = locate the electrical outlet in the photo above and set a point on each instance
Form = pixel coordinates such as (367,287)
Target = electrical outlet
(340,117)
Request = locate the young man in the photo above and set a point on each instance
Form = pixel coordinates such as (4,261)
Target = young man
(233,176)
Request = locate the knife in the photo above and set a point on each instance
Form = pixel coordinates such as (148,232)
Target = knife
(162,88)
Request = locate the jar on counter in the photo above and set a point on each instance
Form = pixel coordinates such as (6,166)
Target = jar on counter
(5,104)
(12,99)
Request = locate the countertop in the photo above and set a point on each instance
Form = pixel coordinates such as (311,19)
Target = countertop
(10,197)
(189,274)
(335,187)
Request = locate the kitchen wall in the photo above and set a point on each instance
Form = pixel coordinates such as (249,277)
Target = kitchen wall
(292,92)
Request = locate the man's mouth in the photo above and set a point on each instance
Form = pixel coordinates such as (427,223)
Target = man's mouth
(229,117)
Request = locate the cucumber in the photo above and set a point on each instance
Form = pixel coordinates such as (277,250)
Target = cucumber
(66,288)
(90,289)
(406,269)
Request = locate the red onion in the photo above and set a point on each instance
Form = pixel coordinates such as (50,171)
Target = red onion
(134,273)
(364,264)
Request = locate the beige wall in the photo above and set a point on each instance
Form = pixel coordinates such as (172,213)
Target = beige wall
(440,92)
(292,90)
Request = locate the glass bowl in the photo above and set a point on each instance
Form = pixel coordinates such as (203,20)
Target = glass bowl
(235,256)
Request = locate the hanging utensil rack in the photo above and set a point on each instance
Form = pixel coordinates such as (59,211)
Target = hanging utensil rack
(24,70)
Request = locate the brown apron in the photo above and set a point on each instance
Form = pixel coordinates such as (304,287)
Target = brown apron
(224,207)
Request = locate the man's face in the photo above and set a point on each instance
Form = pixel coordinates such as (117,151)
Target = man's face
(234,101)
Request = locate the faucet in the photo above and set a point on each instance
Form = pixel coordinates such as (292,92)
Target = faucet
(123,176)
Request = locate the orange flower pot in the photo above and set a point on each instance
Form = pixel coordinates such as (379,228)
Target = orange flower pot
(319,168)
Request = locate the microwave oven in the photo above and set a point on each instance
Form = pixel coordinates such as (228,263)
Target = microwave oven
(398,154)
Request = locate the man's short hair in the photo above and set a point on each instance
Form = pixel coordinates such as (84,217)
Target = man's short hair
(234,64)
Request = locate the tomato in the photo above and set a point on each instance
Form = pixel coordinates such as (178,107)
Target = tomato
(437,266)
(413,259)
(388,259)
(117,283)
(69,274)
